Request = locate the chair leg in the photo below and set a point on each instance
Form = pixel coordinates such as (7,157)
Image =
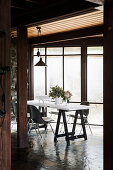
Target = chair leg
(28,125)
(51,128)
(90,129)
(37,127)
(29,131)
(39,132)
(45,130)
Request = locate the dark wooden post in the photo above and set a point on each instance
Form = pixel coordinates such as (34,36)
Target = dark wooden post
(5,135)
(31,73)
(84,72)
(22,64)
(108,85)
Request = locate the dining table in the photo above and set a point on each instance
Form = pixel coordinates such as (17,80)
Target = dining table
(63,108)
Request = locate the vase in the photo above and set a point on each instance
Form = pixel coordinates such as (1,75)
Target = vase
(58,100)
(66,101)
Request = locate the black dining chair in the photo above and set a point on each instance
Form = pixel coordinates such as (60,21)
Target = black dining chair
(37,120)
(14,107)
(14,116)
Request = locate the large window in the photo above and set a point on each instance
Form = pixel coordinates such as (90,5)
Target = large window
(54,67)
(95,74)
(95,83)
(72,72)
(39,75)
(64,69)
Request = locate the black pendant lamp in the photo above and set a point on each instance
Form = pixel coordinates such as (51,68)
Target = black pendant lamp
(40,62)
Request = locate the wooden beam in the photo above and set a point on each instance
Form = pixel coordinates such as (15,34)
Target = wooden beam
(68,35)
(22,60)
(31,73)
(51,11)
(100,2)
(93,41)
(22,5)
(5,133)
(108,85)
(34,1)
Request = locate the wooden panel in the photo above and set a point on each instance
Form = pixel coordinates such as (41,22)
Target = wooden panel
(22,60)
(5,135)
(108,85)
(74,34)
(69,24)
(91,41)
(77,22)
(31,74)
(50,11)
(101,2)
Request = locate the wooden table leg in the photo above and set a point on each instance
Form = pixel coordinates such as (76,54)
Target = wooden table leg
(83,125)
(75,121)
(57,126)
(65,127)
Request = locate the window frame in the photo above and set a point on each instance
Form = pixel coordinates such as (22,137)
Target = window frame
(63,55)
(87,68)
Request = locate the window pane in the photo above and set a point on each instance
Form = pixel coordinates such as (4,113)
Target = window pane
(54,71)
(72,76)
(95,50)
(41,50)
(39,79)
(72,50)
(96,114)
(95,78)
(54,51)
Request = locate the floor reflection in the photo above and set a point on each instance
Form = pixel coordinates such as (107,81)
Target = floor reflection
(45,154)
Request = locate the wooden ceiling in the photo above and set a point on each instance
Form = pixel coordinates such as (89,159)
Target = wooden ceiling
(78,22)
(27,12)
(69,24)
(48,14)
(20,7)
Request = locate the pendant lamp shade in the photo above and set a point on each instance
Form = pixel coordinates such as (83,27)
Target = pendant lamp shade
(40,63)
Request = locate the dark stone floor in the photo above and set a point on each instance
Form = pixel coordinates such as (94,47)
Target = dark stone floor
(45,154)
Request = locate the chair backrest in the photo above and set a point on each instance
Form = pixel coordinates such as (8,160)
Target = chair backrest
(35,114)
(14,106)
(85,112)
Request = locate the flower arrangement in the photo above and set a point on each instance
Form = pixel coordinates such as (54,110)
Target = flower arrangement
(56,92)
(67,95)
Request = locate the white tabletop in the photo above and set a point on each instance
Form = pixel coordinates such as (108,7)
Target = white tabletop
(43,98)
(63,106)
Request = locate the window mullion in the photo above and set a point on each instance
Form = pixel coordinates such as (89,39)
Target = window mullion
(84,72)
(46,72)
(63,67)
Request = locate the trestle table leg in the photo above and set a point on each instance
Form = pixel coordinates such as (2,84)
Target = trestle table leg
(65,127)
(57,126)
